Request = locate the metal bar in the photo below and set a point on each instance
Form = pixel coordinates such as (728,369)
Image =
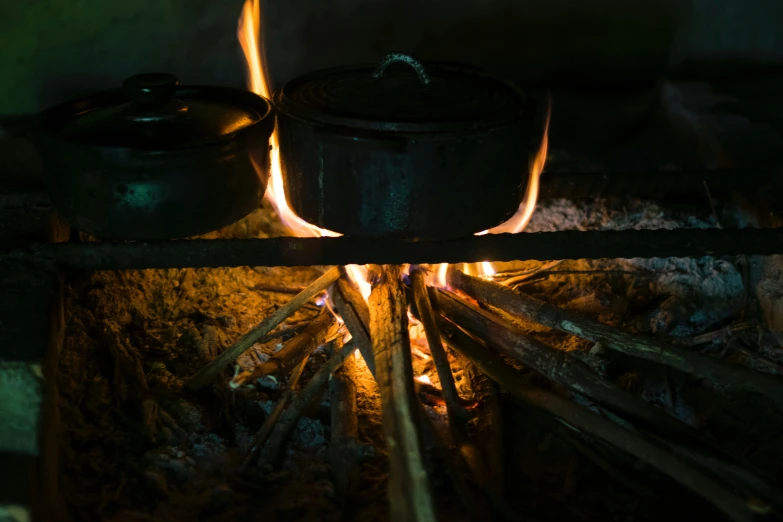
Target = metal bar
(291,251)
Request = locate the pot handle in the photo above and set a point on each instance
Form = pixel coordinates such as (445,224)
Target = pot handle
(416,65)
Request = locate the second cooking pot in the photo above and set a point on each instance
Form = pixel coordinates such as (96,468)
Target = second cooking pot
(156,160)
(403,149)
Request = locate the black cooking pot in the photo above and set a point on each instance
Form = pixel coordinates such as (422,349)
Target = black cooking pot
(433,151)
(155,160)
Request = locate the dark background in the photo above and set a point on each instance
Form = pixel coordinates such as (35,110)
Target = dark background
(55,49)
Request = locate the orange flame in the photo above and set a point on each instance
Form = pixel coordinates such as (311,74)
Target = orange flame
(521,218)
(250,38)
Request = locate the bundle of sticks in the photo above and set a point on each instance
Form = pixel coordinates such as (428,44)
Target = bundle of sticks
(472,318)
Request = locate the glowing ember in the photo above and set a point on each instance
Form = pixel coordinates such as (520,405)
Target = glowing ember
(423,378)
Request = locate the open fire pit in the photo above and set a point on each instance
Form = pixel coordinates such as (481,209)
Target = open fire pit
(616,359)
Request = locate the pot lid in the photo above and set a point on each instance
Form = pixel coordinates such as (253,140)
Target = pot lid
(403,95)
(152,111)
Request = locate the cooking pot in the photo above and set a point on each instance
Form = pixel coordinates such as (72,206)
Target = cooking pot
(156,160)
(404,149)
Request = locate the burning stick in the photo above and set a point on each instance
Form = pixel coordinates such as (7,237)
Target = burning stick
(293,352)
(350,305)
(585,420)
(634,345)
(345,453)
(457,414)
(291,415)
(556,365)
(205,375)
(409,492)
(270,421)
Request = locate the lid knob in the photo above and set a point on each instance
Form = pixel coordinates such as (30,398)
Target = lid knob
(151,89)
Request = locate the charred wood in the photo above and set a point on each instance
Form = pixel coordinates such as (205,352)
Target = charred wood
(271,420)
(293,352)
(301,400)
(456,413)
(551,316)
(584,420)
(556,365)
(345,453)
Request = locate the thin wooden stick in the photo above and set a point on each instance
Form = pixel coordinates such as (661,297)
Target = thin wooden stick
(277,289)
(317,333)
(583,419)
(350,305)
(409,492)
(208,373)
(511,281)
(551,316)
(291,415)
(457,414)
(272,418)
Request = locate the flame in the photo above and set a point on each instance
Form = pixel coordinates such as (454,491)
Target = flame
(250,38)
(521,218)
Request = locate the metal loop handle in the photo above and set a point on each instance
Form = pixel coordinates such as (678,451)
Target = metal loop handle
(416,65)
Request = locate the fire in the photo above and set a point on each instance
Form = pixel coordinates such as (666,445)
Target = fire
(423,379)
(250,38)
(519,221)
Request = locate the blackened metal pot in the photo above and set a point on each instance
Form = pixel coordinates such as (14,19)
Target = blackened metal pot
(155,160)
(404,149)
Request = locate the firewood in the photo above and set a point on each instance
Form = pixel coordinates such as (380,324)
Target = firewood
(350,305)
(208,373)
(456,413)
(680,438)
(583,419)
(355,308)
(489,429)
(687,361)
(409,491)
(556,365)
(293,352)
(301,400)
(305,251)
(345,452)
(272,418)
